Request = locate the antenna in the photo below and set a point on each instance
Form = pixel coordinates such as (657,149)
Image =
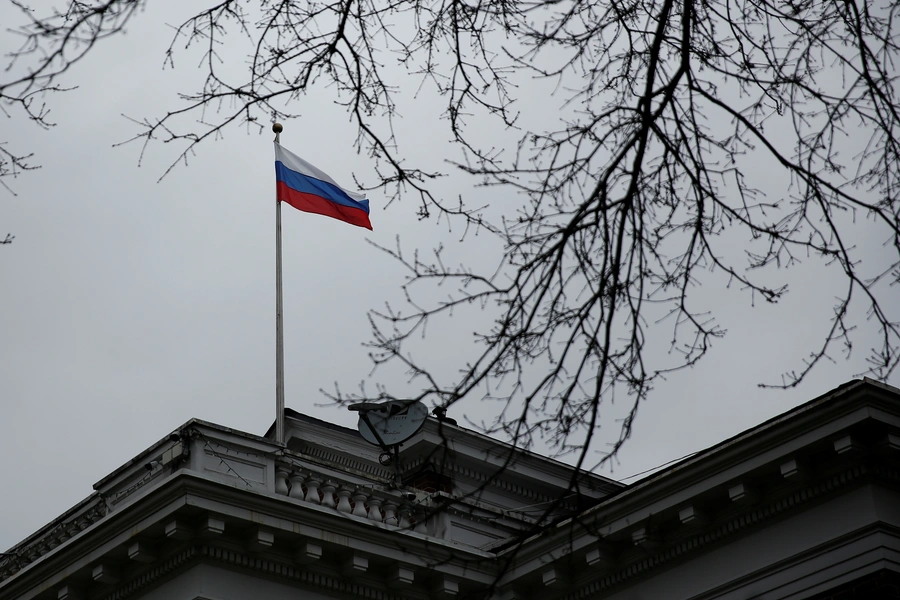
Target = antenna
(389,424)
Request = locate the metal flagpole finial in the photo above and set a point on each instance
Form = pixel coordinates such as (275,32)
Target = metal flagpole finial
(277,128)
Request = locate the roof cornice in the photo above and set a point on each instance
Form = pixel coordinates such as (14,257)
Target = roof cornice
(824,417)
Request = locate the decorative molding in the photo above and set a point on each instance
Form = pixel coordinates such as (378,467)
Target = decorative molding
(141,552)
(212,526)
(359,466)
(401,576)
(790,469)
(552,577)
(148,476)
(153,574)
(599,558)
(891,441)
(67,592)
(446,588)
(178,530)
(356,564)
(100,507)
(56,535)
(732,527)
(260,539)
(643,538)
(303,576)
(334,458)
(232,558)
(247,467)
(491,479)
(799,484)
(307,552)
(741,492)
(691,515)
(460,508)
(105,573)
(848,444)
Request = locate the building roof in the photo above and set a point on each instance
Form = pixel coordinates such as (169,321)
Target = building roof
(205,478)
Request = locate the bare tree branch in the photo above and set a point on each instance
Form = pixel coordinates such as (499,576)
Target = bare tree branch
(635,189)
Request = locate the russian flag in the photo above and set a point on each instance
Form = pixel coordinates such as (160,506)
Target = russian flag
(307,188)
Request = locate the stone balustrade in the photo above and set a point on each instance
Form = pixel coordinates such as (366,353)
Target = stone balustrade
(380,507)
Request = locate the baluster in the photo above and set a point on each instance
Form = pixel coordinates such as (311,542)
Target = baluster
(297,485)
(328,495)
(421,527)
(312,490)
(359,508)
(375,510)
(404,518)
(281,475)
(343,504)
(390,513)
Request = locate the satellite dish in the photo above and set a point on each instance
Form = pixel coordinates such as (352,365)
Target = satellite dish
(390,423)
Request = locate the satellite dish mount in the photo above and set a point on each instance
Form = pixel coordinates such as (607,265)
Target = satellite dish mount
(388,425)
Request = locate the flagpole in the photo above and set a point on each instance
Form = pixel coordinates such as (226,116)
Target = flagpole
(279,327)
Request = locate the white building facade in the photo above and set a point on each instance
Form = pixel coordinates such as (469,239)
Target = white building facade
(804,506)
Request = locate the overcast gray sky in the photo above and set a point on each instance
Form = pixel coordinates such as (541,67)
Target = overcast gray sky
(130,306)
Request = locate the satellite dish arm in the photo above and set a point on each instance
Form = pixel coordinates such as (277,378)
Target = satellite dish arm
(364,415)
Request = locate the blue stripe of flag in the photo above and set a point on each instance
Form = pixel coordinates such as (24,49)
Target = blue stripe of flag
(311,185)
